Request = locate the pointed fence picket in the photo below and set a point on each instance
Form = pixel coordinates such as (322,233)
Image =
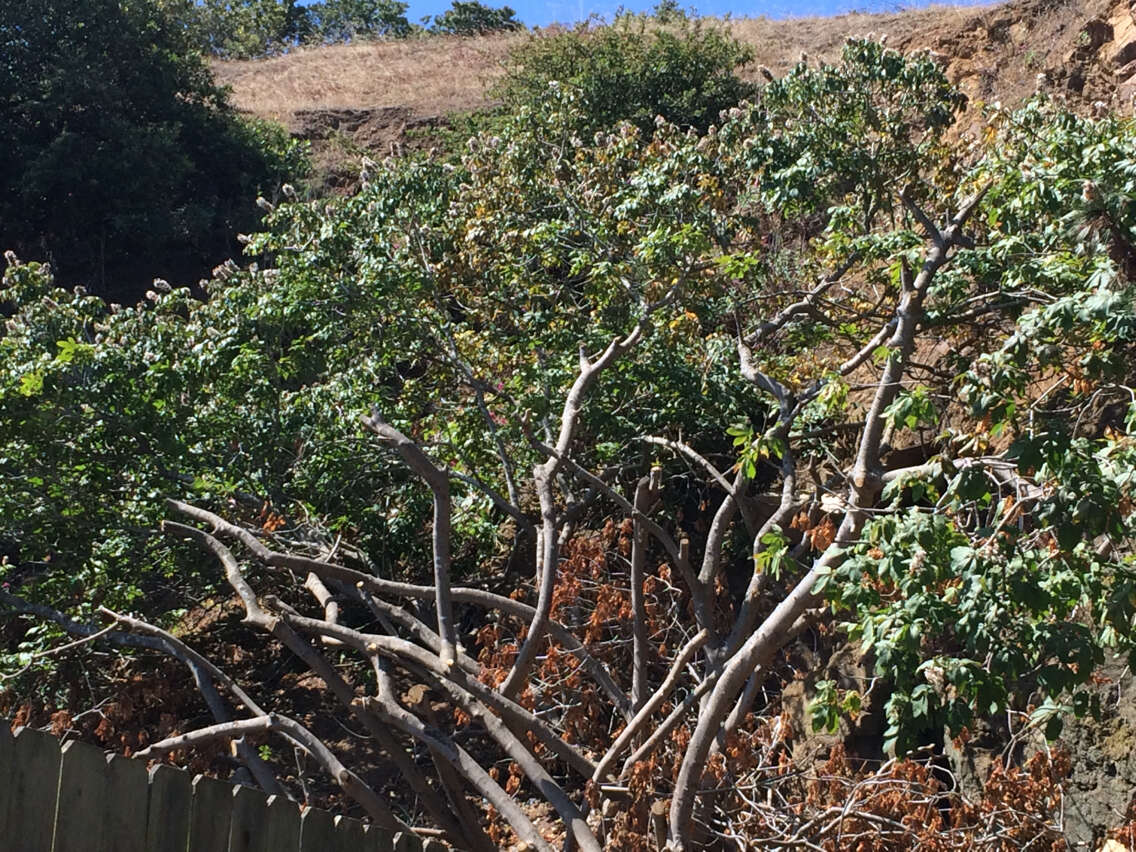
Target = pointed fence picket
(78,798)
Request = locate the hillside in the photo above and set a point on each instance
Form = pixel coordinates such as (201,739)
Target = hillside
(369,95)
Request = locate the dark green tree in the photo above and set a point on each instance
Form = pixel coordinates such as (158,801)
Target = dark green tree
(240,29)
(122,158)
(471,17)
(251,27)
(344,20)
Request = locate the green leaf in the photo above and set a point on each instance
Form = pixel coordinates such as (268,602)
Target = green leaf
(31,384)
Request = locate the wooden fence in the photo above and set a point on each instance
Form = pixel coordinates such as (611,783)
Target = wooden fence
(79,798)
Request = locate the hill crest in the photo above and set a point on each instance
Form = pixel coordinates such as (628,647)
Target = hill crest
(370,96)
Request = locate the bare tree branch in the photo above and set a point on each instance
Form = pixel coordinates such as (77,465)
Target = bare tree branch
(202,671)
(321,593)
(420,631)
(651,705)
(352,784)
(255,615)
(204,674)
(695,456)
(407,653)
(439,484)
(544,476)
(865,485)
(379,586)
(646,495)
(805,305)
(464,763)
(450,779)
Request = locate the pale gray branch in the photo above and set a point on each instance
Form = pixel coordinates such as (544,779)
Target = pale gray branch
(439,484)
(352,784)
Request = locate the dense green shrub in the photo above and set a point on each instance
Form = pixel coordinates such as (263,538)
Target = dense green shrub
(121,158)
(639,67)
(1044,589)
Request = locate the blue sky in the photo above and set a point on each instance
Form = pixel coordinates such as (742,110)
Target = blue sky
(541,12)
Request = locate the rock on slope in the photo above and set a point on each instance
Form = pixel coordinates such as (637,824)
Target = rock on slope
(1084,50)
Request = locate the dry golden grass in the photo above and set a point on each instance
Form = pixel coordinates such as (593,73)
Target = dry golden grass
(778,44)
(439,74)
(432,76)
(992,52)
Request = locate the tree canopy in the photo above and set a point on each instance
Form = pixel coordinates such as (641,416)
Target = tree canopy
(250,29)
(472,17)
(118,145)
